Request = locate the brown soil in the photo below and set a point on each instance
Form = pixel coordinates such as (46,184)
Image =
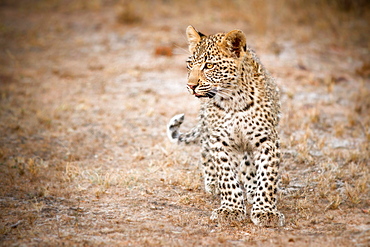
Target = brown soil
(87,88)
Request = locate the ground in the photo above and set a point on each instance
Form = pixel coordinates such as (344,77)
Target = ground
(86,91)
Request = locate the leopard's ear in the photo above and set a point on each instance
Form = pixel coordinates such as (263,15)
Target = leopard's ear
(234,43)
(193,37)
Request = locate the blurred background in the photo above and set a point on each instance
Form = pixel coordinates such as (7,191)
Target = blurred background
(86,91)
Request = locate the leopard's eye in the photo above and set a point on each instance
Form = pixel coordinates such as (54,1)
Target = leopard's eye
(209,65)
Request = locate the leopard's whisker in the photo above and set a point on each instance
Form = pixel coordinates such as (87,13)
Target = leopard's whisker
(224,92)
(225,89)
(224,95)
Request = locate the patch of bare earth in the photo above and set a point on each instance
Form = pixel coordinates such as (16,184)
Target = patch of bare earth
(86,91)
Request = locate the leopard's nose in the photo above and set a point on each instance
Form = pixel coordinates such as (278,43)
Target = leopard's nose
(192,86)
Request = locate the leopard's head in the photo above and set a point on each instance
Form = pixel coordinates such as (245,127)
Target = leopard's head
(214,62)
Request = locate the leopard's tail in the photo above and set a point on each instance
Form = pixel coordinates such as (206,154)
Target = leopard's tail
(176,136)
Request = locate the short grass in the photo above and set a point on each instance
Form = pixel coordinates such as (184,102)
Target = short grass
(85,97)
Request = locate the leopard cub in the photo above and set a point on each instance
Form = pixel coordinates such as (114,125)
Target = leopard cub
(238,116)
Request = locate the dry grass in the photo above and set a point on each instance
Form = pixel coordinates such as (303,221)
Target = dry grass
(85,97)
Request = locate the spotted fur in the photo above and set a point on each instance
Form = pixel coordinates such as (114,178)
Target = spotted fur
(239,113)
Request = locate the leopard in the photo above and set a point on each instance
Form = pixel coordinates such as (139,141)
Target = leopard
(237,126)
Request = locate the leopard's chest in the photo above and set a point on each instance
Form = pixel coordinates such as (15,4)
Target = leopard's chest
(230,126)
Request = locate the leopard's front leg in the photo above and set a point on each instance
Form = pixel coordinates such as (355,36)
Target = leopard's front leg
(267,159)
(247,177)
(232,201)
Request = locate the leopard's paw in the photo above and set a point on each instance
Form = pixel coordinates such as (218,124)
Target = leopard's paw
(227,213)
(271,218)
